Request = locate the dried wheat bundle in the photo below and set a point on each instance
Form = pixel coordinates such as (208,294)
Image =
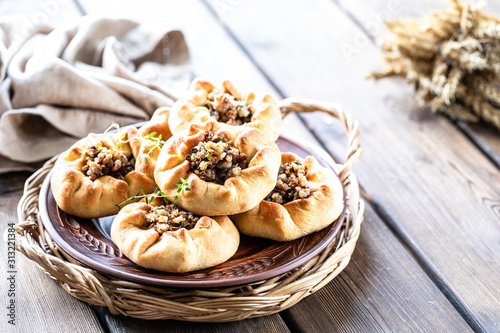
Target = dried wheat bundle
(452,58)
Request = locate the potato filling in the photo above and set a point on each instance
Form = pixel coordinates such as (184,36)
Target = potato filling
(291,184)
(170,218)
(216,159)
(102,161)
(226,108)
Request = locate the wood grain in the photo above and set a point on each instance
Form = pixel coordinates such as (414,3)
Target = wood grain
(487,139)
(481,311)
(41,304)
(131,325)
(434,188)
(382,289)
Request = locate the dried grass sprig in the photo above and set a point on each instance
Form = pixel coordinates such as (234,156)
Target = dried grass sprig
(453,60)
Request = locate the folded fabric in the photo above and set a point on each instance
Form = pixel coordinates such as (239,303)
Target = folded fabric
(57,85)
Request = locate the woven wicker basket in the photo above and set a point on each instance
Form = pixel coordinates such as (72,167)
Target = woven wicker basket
(202,305)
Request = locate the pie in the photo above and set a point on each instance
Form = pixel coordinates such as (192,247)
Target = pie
(228,169)
(102,170)
(226,104)
(306,199)
(163,236)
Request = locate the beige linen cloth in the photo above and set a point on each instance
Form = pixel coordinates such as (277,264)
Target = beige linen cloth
(57,85)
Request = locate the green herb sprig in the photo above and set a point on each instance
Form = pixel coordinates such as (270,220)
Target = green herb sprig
(153,141)
(150,197)
(183,186)
(122,137)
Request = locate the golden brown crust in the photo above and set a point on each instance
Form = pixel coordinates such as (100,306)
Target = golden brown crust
(78,195)
(159,125)
(192,108)
(300,217)
(238,193)
(212,241)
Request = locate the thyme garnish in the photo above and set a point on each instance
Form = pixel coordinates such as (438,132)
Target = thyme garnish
(151,142)
(184,185)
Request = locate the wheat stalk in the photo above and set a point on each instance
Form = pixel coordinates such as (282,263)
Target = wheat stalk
(452,58)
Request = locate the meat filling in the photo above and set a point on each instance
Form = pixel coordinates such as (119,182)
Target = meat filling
(291,184)
(102,161)
(170,218)
(216,159)
(225,108)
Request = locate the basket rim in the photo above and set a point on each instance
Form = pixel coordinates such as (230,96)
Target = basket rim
(223,304)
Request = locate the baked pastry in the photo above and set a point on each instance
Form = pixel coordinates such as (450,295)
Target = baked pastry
(228,169)
(101,170)
(227,105)
(307,198)
(166,238)
(97,173)
(153,135)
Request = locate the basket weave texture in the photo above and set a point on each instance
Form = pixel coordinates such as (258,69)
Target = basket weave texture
(202,305)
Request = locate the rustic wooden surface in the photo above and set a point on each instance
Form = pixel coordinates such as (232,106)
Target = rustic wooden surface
(427,259)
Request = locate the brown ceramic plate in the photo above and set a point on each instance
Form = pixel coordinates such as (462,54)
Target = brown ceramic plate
(257,259)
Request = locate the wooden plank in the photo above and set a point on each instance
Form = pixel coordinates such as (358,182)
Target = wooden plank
(433,187)
(130,325)
(486,138)
(383,283)
(41,304)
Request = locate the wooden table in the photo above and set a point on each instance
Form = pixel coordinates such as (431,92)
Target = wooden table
(429,254)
